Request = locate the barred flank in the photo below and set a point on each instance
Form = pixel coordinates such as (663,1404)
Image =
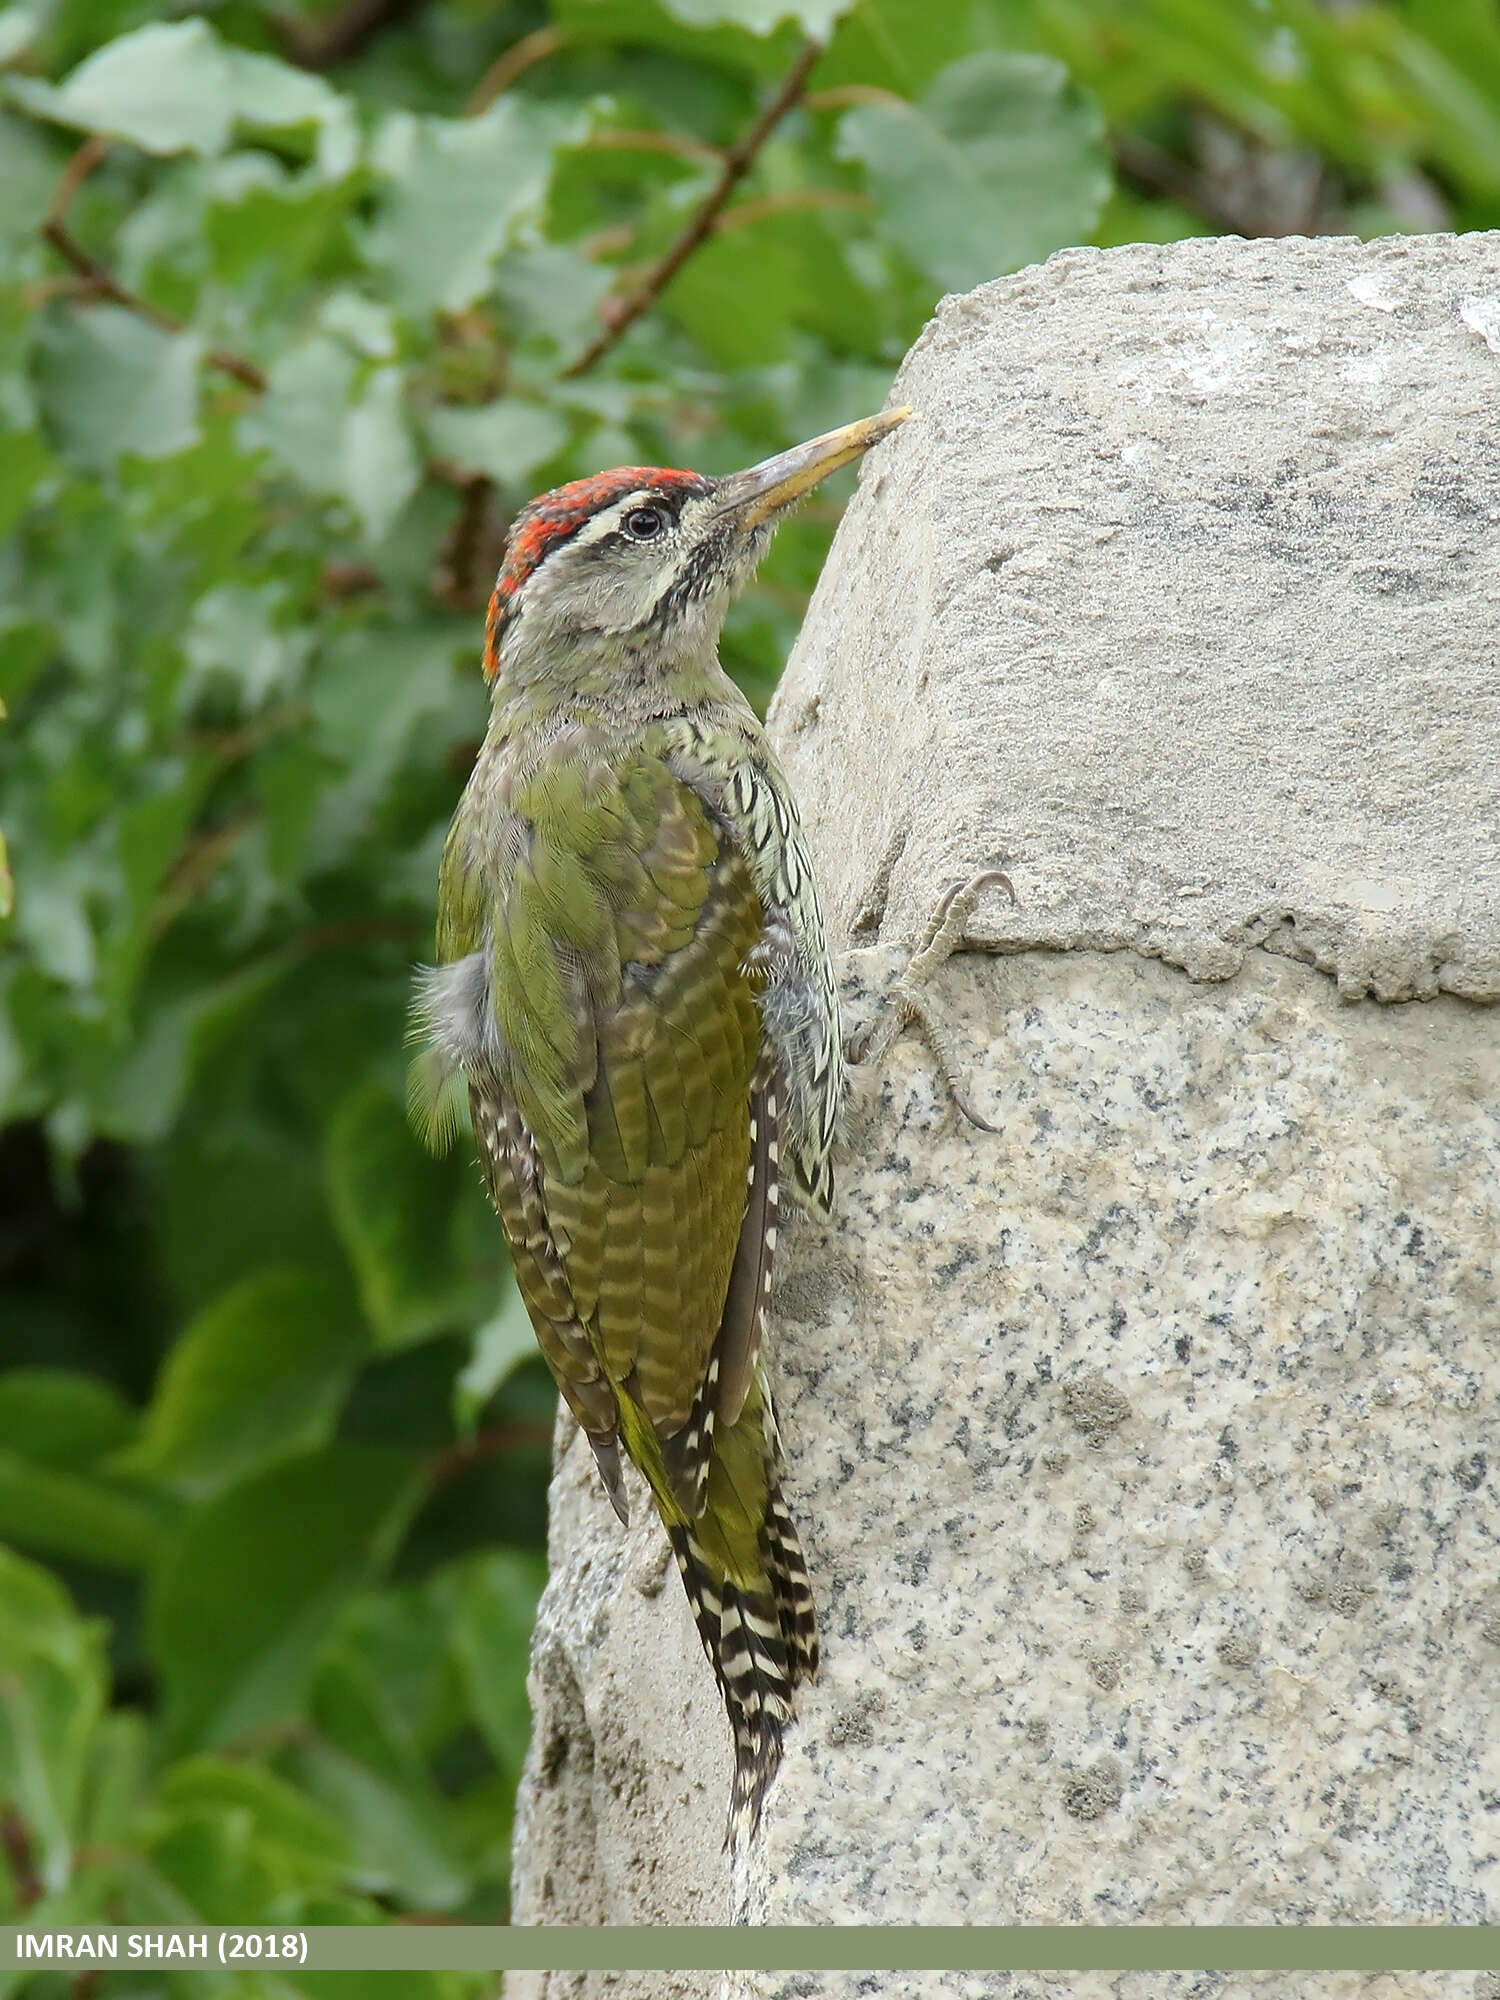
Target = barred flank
(761,1643)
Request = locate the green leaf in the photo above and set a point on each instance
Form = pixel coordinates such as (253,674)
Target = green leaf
(25,462)
(53,1680)
(395,1209)
(238,1606)
(273,95)
(725,51)
(500,1344)
(259,1376)
(75,1515)
(300,419)
(116,1777)
(900,45)
(141,1092)
(306,1846)
(381,470)
(375,689)
(402,1842)
(461,190)
(384,1693)
(19,25)
(166,88)
(237,634)
(491,1607)
(28,174)
(507,440)
(55,1416)
(174,87)
(112,383)
(749,292)
(339,429)
(814,17)
(1001,163)
(552,290)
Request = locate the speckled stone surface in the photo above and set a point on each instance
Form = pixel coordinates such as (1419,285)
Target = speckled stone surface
(1146,1452)
(1181,591)
(1147,1457)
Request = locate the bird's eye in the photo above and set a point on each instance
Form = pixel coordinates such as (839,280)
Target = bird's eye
(644,524)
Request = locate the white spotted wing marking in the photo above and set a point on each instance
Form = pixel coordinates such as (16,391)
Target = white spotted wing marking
(513,1174)
(735,773)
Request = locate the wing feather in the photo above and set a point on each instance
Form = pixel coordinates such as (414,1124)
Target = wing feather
(632,1124)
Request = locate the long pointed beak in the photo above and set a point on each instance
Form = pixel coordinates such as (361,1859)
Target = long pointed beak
(776,482)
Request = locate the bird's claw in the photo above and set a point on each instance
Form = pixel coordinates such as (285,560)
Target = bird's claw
(946,933)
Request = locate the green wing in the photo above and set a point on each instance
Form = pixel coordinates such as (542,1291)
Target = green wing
(632,1043)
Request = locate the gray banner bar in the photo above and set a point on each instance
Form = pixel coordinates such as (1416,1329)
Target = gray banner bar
(835,1948)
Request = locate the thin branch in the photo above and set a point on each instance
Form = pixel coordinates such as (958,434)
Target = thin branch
(511,63)
(622,139)
(103,283)
(357,930)
(462,558)
(623,314)
(842,95)
(201,857)
(230,746)
(343,34)
(1247,202)
(486,1443)
(341,581)
(73,176)
(790,203)
(1154,167)
(15,1840)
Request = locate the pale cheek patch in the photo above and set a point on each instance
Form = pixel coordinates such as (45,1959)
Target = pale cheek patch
(603,590)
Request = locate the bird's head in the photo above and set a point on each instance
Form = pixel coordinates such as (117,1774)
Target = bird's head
(638,565)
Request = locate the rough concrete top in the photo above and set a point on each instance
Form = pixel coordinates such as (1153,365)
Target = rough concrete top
(1209,600)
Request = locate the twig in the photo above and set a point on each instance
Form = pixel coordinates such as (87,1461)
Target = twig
(511,63)
(792,202)
(229,746)
(1252,210)
(626,139)
(103,283)
(842,95)
(1154,167)
(460,560)
(623,313)
(343,34)
(486,1443)
(15,1840)
(73,176)
(200,859)
(357,930)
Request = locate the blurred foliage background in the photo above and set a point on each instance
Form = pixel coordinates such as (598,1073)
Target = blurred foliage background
(298,302)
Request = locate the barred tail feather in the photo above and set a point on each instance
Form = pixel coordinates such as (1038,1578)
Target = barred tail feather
(761,1643)
(792,1589)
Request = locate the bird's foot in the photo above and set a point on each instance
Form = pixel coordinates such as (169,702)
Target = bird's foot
(945,934)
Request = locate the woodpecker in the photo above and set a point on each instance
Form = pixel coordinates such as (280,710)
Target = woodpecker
(634,994)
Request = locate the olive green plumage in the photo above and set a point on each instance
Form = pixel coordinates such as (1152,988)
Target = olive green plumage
(634,996)
(625,1119)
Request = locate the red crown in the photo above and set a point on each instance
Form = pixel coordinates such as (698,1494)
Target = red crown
(553,518)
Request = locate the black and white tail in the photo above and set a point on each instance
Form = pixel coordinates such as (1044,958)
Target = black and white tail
(762,1642)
